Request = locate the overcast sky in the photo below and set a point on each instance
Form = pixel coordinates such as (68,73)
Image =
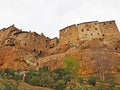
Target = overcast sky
(49,16)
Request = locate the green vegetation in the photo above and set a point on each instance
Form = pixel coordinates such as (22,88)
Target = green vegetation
(65,78)
(80,80)
(92,80)
(8,86)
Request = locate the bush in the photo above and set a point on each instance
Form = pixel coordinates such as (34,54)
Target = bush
(46,80)
(111,83)
(84,88)
(100,87)
(61,72)
(92,80)
(60,85)
(80,80)
(8,86)
(67,78)
(34,80)
(43,69)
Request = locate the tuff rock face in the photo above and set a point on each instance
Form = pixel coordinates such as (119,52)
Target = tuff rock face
(26,50)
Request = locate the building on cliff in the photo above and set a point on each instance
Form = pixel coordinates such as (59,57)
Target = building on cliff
(87,31)
(38,44)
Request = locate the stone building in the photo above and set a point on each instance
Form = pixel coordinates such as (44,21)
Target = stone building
(108,28)
(68,35)
(89,30)
(53,42)
(86,31)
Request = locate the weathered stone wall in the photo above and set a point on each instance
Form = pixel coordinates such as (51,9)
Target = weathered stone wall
(68,35)
(108,28)
(89,30)
(53,42)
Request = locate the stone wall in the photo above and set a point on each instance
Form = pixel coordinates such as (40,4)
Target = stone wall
(68,35)
(108,28)
(89,30)
(53,42)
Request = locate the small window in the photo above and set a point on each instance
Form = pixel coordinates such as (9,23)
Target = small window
(82,30)
(25,44)
(34,50)
(110,22)
(104,23)
(112,28)
(95,28)
(95,23)
(97,33)
(103,34)
(87,29)
(85,34)
(34,39)
(105,28)
(91,34)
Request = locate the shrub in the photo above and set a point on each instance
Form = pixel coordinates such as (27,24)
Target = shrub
(56,77)
(8,86)
(34,80)
(71,64)
(61,72)
(46,80)
(92,80)
(100,87)
(43,69)
(111,83)
(60,85)
(80,80)
(67,78)
(84,88)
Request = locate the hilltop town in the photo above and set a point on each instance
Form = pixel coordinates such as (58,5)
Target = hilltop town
(94,46)
(33,49)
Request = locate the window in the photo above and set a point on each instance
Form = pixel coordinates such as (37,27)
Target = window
(103,34)
(34,50)
(104,23)
(91,34)
(110,22)
(87,29)
(34,39)
(95,23)
(105,28)
(85,34)
(82,30)
(25,44)
(112,28)
(95,28)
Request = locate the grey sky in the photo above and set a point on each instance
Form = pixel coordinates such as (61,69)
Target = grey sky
(49,16)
